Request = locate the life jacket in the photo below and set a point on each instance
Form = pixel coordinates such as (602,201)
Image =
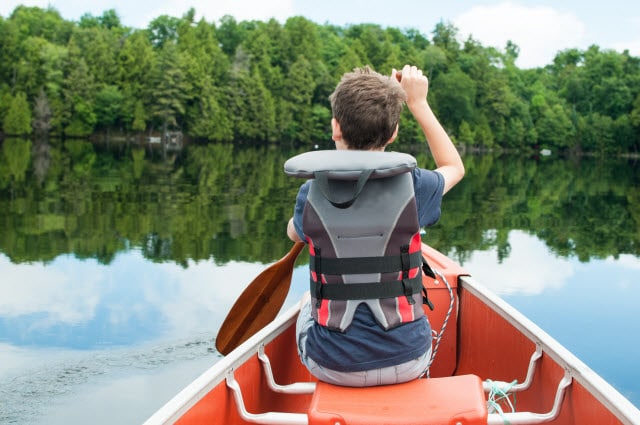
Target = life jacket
(360,221)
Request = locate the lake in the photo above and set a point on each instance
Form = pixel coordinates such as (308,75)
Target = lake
(119,263)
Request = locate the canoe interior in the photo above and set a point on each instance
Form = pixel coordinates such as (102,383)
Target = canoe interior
(480,339)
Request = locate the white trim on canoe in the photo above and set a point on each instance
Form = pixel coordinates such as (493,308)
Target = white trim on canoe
(594,383)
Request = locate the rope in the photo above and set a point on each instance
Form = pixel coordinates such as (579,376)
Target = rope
(498,396)
(438,335)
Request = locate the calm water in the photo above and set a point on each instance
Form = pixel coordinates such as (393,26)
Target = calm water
(118,266)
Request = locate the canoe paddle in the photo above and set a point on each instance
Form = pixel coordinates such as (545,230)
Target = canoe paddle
(259,303)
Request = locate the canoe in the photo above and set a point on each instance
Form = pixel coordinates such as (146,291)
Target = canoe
(491,365)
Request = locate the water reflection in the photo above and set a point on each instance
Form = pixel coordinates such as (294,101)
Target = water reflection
(528,270)
(82,304)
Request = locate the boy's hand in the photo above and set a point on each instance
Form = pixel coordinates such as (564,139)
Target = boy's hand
(414,83)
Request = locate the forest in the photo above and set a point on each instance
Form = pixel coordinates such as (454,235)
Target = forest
(267,83)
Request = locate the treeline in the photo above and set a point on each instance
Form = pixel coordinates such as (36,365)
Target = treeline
(266,82)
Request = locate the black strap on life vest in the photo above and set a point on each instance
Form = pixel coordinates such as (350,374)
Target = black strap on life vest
(364,265)
(427,270)
(368,290)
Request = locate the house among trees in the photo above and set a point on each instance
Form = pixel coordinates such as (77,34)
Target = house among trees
(170,140)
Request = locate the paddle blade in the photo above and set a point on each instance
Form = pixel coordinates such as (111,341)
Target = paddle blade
(259,303)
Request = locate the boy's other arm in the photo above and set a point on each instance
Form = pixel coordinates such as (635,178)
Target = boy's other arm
(291,231)
(445,154)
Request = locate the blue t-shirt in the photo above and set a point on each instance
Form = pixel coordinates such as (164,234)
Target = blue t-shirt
(365,345)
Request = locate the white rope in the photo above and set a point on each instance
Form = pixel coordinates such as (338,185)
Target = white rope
(438,335)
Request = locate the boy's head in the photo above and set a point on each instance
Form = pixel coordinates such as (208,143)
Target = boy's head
(367,107)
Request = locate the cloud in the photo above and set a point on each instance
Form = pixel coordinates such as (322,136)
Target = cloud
(70,293)
(633,46)
(539,31)
(631,39)
(209,289)
(520,273)
(626,260)
(67,296)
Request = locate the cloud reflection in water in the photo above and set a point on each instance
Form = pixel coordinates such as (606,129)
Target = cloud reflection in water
(82,304)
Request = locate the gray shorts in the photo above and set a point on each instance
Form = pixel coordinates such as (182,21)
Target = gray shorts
(384,376)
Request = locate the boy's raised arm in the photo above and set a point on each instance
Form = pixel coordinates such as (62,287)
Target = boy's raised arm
(445,154)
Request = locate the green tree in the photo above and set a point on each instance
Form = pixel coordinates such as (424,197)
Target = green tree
(78,92)
(163,30)
(208,118)
(455,98)
(299,89)
(28,76)
(300,39)
(17,121)
(445,36)
(137,61)
(377,47)
(433,60)
(139,117)
(138,162)
(171,89)
(484,136)
(39,22)
(206,67)
(82,157)
(108,106)
(9,50)
(465,134)
(108,20)
(230,34)
(16,154)
(99,47)
(635,113)
(554,128)
(251,107)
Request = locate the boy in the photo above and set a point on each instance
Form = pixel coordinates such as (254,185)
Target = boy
(366,109)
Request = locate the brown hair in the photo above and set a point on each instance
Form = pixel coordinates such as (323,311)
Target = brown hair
(367,105)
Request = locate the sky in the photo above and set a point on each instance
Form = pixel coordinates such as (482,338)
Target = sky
(540,28)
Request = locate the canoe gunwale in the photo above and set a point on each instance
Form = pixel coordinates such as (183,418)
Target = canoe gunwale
(190,395)
(604,392)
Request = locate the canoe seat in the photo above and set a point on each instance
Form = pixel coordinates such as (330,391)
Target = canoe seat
(436,401)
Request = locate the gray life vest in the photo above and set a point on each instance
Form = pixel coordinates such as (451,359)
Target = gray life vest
(360,221)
